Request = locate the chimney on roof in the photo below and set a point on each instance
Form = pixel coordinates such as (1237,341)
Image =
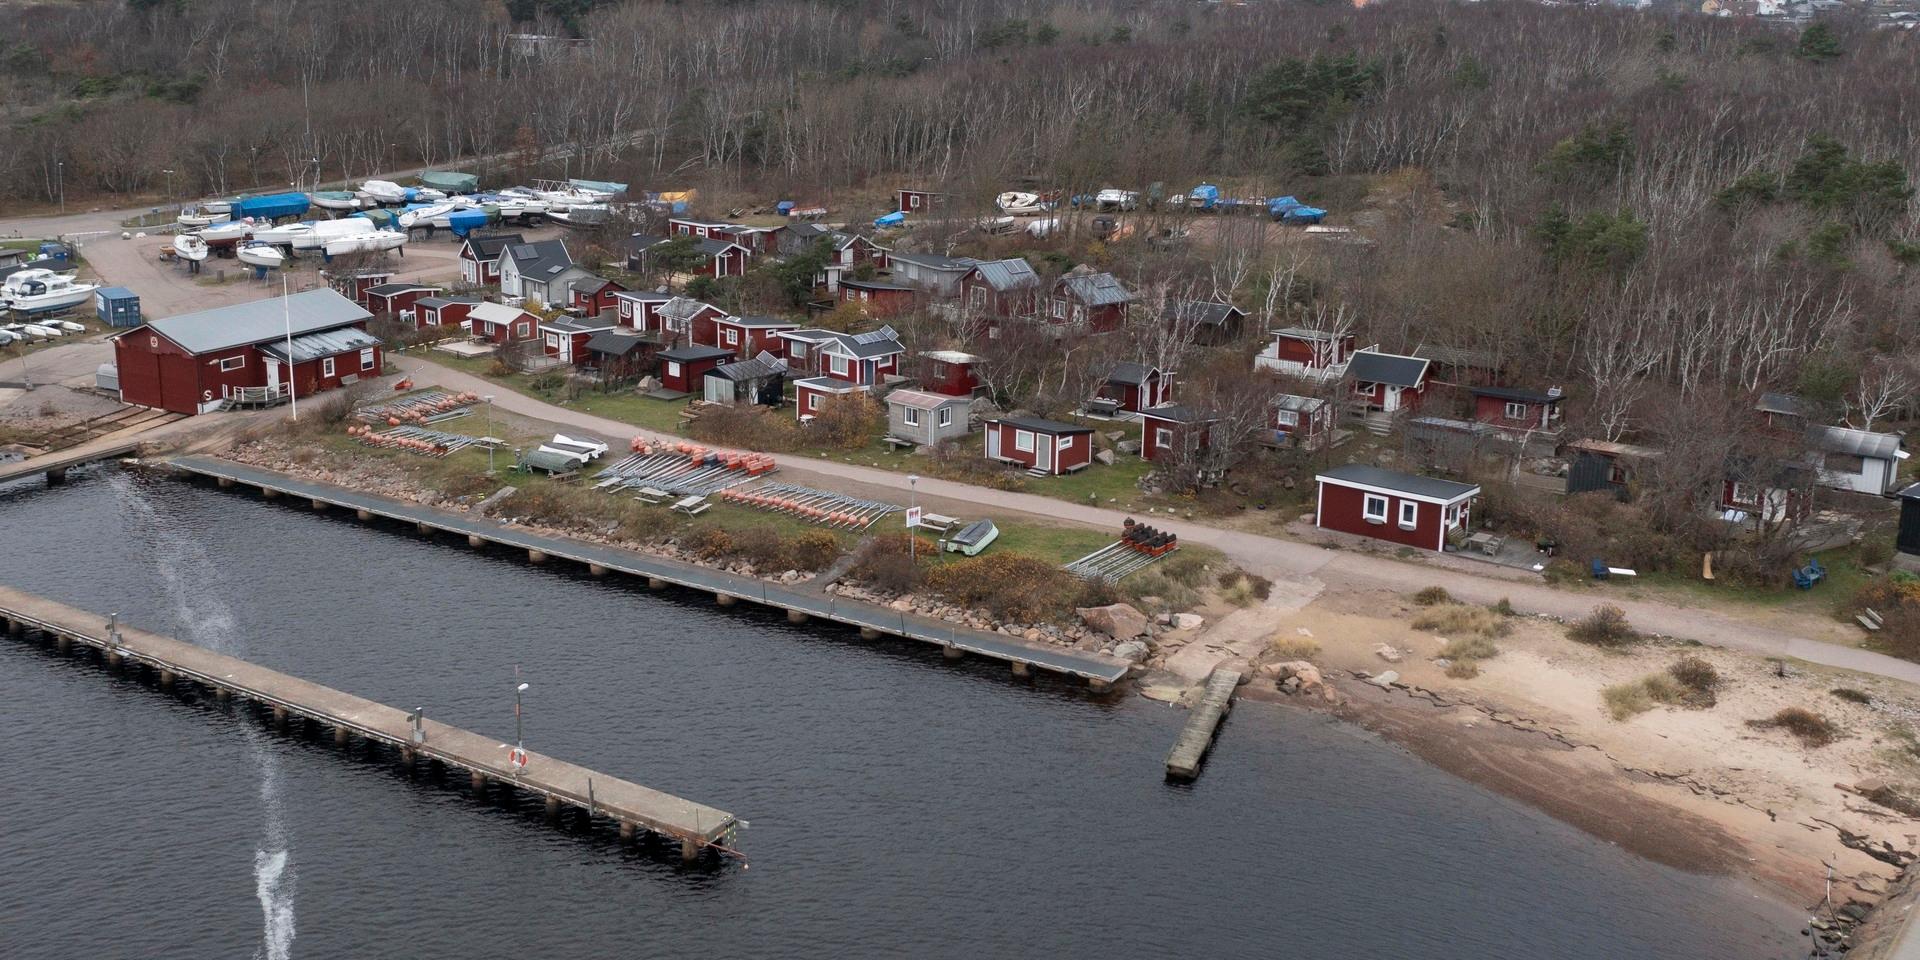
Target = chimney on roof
(1553,391)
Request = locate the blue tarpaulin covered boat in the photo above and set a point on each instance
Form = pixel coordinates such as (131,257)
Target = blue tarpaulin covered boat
(893,219)
(271,206)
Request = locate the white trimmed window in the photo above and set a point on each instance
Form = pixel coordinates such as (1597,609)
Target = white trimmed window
(553,340)
(1287,418)
(1059,309)
(326,366)
(1023,441)
(1375,508)
(1516,411)
(233,363)
(978,297)
(1162,437)
(673,368)
(946,416)
(813,401)
(733,337)
(366,359)
(911,415)
(838,365)
(1744,493)
(1409,514)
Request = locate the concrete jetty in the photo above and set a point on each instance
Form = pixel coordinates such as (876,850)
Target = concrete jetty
(55,465)
(873,620)
(485,759)
(1183,761)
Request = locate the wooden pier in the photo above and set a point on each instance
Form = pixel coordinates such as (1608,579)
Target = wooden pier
(1183,761)
(800,603)
(56,464)
(485,759)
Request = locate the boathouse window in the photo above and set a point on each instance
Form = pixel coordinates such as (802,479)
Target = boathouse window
(233,363)
(1162,438)
(813,401)
(733,338)
(1287,418)
(326,366)
(1409,514)
(673,368)
(1374,509)
(838,365)
(366,359)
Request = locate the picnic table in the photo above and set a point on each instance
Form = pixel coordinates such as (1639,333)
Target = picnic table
(1487,543)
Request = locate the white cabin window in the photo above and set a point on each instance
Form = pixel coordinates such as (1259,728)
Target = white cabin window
(978,296)
(813,401)
(1023,441)
(911,415)
(233,363)
(1162,438)
(1516,411)
(673,368)
(1744,493)
(1409,514)
(326,366)
(733,338)
(838,365)
(553,340)
(1375,508)
(366,359)
(1059,309)
(1287,418)
(946,416)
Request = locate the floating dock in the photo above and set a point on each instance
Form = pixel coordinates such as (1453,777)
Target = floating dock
(1183,761)
(873,620)
(484,758)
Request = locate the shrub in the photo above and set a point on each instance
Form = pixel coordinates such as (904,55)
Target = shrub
(1293,646)
(1460,618)
(708,542)
(747,426)
(813,550)
(1853,696)
(1896,599)
(549,382)
(1463,669)
(1606,626)
(1626,699)
(1013,586)
(1469,648)
(1172,594)
(1185,567)
(1504,607)
(849,420)
(761,546)
(1812,729)
(1432,595)
(1242,587)
(1699,678)
(888,562)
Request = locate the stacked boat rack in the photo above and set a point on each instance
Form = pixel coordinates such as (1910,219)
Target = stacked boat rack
(1139,545)
(823,507)
(432,443)
(682,469)
(433,406)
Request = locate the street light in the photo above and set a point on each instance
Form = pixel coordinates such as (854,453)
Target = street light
(169,174)
(490,441)
(913,514)
(60,182)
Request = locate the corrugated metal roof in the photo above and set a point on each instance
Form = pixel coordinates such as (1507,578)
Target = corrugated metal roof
(309,311)
(684,308)
(444,301)
(1371,476)
(1004,275)
(1783,403)
(1518,393)
(934,261)
(1096,289)
(494,313)
(923,400)
(1859,443)
(1128,373)
(1179,413)
(762,365)
(389,289)
(325,344)
(1210,312)
(616,342)
(691,354)
(1298,403)
(1303,333)
(1391,369)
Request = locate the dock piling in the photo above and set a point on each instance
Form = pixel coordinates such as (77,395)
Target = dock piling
(363,515)
(655,583)
(476,541)
(536,556)
(869,633)
(796,616)
(952,653)
(689,850)
(596,570)
(1020,669)
(319,505)
(724,599)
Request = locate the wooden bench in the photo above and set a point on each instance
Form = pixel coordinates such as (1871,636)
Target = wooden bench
(938,523)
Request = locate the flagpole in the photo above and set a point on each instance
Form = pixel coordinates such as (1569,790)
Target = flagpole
(286,314)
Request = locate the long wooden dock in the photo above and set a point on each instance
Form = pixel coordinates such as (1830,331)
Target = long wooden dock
(56,464)
(1183,761)
(1101,672)
(485,759)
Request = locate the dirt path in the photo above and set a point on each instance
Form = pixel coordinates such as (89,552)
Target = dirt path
(1305,568)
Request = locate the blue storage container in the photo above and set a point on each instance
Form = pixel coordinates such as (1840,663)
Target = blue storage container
(54,251)
(117,306)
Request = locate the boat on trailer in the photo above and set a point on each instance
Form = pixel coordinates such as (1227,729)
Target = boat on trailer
(259,253)
(373,241)
(190,246)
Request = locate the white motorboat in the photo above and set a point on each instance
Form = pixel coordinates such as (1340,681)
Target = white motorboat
(433,214)
(67,325)
(427,195)
(335,199)
(579,215)
(384,191)
(49,294)
(190,246)
(1019,204)
(373,241)
(222,234)
(1043,228)
(324,230)
(260,253)
(216,206)
(198,217)
(7,337)
(282,234)
(18,280)
(562,194)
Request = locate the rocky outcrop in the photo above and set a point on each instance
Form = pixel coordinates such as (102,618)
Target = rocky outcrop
(1300,678)
(1117,620)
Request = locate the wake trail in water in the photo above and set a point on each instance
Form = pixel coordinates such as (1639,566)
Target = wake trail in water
(186,570)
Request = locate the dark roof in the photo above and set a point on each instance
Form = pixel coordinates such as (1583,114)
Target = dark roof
(1096,289)
(541,259)
(1011,274)
(1424,487)
(934,261)
(712,247)
(389,289)
(1041,425)
(309,311)
(759,321)
(1516,393)
(876,285)
(572,325)
(617,343)
(588,284)
(1130,374)
(1179,413)
(755,368)
(1305,333)
(1210,312)
(489,246)
(326,343)
(693,354)
(1388,368)
(1783,403)
(1910,493)
(443,301)
(866,346)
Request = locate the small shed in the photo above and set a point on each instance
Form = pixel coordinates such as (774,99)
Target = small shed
(619,354)
(1134,387)
(1301,420)
(950,372)
(760,379)
(117,306)
(683,369)
(1388,505)
(1044,447)
(1172,427)
(1907,541)
(925,419)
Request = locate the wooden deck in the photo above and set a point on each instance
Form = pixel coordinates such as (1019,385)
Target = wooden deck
(1183,761)
(631,805)
(56,464)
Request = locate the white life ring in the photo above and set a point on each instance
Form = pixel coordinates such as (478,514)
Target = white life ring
(517,757)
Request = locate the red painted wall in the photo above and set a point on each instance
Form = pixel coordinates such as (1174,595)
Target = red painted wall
(1077,453)
(447,316)
(690,376)
(958,379)
(1494,410)
(1342,508)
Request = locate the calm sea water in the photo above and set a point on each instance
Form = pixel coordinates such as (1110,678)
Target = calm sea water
(901,806)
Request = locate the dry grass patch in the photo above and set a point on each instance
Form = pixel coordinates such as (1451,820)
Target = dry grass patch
(1463,619)
(1625,700)
(1812,729)
(1463,669)
(1432,596)
(1293,646)
(1606,627)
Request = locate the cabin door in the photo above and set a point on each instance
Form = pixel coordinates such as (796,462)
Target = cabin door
(1043,452)
(273,376)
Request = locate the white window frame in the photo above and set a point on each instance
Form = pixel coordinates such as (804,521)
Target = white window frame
(1516,410)
(673,368)
(232,363)
(1409,514)
(553,340)
(946,416)
(733,337)
(910,416)
(326,366)
(977,297)
(813,401)
(1368,511)
(837,365)
(1023,440)
(1162,438)
(1287,418)
(1742,494)
(1059,308)
(366,359)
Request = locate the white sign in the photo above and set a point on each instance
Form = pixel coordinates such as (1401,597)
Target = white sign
(913,517)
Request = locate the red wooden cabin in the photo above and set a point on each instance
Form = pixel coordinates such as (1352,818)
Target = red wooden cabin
(1396,507)
(1042,446)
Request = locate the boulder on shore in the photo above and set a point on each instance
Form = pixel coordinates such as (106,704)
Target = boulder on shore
(1117,620)
(1188,621)
(1132,651)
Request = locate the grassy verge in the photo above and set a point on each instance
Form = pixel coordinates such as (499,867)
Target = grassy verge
(1845,577)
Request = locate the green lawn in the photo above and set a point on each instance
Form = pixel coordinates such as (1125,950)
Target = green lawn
(1845,577)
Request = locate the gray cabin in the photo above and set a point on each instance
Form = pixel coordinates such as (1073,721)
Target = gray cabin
(925,419)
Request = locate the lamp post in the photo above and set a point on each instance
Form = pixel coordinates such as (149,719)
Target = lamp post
(169,173)
(519,742)
(913,512)
(60,182)
(490,441)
